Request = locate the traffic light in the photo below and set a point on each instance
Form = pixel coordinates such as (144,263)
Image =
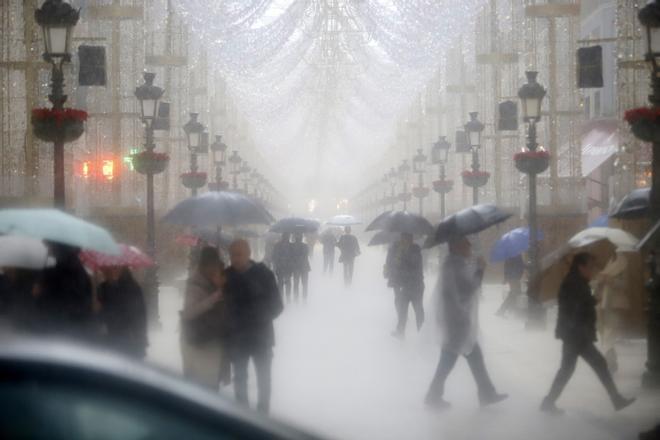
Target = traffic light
(108,169)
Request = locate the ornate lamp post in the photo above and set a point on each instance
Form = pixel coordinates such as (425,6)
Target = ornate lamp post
(475,178)
(404,174)
(440,156)
(194,179)
(245,177)
(419,168)
(219,152)
(150,163)
(392,178)
(532,161)
(235,162)
(57,20)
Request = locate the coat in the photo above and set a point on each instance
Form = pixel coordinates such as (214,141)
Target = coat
(282,258)
(404,268)
(201,317)
(300,257)
(252,302)
(349,247)
(124,314)
(576,319)
(458,304)
(329,243)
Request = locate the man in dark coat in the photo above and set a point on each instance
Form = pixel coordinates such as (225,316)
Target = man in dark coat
(576,327)
(514,268)
(301,266)
(404,270)
(350,248)
(282,264)
(329,242)
(252,302)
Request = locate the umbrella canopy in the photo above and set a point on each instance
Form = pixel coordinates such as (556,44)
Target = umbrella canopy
(24,253)
(600,222)
(130,256)
(634,205)
(511,244)
(295,224)
(218,208)
(343,220)
(381,238)
(59,227)
(602,243)
(401,222)
(468,221)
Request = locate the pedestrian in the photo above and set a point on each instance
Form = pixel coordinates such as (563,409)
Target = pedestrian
(329,242)
(576,328)
(458,310)
(20,289)
(253,302)
(350,248)
(514,268)
(404,270)
(282,262)
(123,312)
(202,320)
(301,266)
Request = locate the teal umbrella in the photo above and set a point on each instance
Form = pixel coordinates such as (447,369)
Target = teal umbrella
(59,227)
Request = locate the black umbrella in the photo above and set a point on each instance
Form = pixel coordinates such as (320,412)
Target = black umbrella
(468,221)
(381,238)
(295,224)
(215,237)
(401,222)
(634,205)
(218,208)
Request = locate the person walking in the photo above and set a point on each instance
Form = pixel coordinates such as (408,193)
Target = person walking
(253,302)
(202,319)
(350,248)
(123,312)
(329,242)
(282,263)
(576,328)
(514,268)
(404,270)
(301,266)
(458,310)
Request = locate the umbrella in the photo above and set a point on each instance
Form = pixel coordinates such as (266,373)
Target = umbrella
(383,238)
(295,224)
(59,227)
(218,208)
(468,221)
(401,222)
(600,222)
(602,243)
(512,244)
(634,205)
(343,220)
(130,256)
(24,253)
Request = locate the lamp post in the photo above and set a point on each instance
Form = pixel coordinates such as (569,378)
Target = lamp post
(57,20)
(419,168)
(649,16)
(404,171)
(235,168)
(245,177)
(529,162)
(392,177)
(440,156)
(473,130)
(219,153)
(148,96)
(195,137)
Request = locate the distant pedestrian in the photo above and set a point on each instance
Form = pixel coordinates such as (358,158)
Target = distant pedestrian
(282,263)
(350,248)
(458,310)
(404,270)
(576,327)
(329,242)
(123,312)
(301,266)
(253,302)
(514,269)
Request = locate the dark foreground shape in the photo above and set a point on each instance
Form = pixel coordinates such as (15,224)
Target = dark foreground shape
(64,392)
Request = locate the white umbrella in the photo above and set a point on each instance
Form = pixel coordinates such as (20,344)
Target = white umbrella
(24,253)
(343,220)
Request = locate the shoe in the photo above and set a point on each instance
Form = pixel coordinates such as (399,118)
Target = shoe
(621,403)
(492,399)
(437,403)
(550,408)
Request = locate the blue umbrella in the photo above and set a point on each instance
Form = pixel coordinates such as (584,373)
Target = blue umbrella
(511,244)
(600,222)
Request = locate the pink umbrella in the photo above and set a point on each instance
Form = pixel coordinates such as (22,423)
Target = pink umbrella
(187,240)
(130,256)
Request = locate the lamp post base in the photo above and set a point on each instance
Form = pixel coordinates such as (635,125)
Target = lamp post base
(151,290)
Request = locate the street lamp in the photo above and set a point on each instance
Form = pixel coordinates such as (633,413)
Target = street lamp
(404,171)
(195,131)
(419,167)
(440,157)
(219,152)
(393,177)
(473,130)
(245,176)
(649,16)
(531,97)
(57,20)
(235,168)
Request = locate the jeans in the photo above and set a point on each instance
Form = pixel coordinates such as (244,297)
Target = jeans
(591,355)
(284,283)
(349,265)
(328,262)
(446,365)
(262,358)
(298,277)
(402,300)
(514,292)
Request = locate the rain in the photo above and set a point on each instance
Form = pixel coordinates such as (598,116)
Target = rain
(329,219)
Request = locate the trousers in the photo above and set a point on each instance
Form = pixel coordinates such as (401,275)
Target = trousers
(402,301)
(446,365)
(300,277)
(262,358)
(349,265)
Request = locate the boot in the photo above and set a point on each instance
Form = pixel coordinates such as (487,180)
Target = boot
(549,407)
